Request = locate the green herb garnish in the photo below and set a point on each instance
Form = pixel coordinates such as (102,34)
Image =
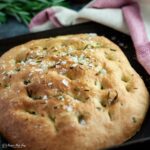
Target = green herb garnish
(17,69)
(77,89)
(86,47)
(112,49)
(38,61)
(7,85)
(95,82)
(134,119)
(24,10)
(36,97)
(26,82)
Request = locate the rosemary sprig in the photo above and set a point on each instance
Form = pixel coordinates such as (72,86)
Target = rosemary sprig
(24,10)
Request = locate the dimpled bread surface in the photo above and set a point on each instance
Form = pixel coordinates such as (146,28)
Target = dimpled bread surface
(74,92)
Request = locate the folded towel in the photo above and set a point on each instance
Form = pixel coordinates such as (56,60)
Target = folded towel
(128,16)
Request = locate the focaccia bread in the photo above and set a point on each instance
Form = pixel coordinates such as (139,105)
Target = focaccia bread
(74,92)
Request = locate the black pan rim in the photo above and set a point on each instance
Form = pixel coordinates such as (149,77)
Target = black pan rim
(90,27)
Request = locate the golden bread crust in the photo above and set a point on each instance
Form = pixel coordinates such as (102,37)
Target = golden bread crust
(75,92)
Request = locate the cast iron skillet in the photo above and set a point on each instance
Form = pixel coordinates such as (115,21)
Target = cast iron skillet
(123,40)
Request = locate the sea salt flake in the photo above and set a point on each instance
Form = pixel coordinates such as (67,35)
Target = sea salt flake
(45,97)
(68,108)
(11,72)
(63,71)
(63,62)
(82,122)
(50,84)
(65,82)
(51,63)
(70,49)
(61,97)
(23,63)
(44,66)
(90,65)
(74,59)
(76,100)
(103,71)
(92,34)
(74,65)
(57,66)
(39,70)
(31,62)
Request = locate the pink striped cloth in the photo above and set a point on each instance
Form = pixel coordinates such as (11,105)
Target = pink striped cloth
(128,16)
